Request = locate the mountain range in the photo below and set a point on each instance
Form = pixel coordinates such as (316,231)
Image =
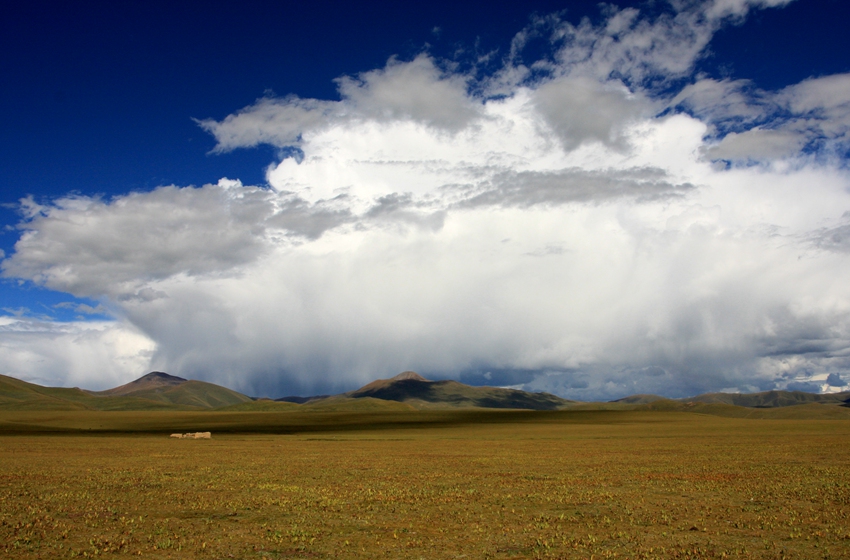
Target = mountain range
(406,391)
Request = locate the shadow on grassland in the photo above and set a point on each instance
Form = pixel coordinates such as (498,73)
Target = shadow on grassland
(303,420)
(292,422)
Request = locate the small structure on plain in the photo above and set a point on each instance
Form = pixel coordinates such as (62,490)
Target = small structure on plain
(195,435)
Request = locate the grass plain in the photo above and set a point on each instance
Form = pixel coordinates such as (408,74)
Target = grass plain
(423,484)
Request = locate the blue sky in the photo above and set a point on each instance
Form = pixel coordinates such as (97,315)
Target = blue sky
(566,249)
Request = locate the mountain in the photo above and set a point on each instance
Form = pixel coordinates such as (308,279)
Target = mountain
(196,394)
(153,391)
(411,388)
(154,381)
(172,390)
(382,384)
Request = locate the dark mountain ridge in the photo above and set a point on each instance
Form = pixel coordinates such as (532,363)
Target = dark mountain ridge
(412,388)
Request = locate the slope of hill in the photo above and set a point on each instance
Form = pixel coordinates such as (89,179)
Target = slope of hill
(155,391)
(198,394)
(17,394)
(411,388)
(169,389)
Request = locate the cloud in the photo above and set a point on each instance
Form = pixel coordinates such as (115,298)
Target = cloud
(88,246)
(822,111)
(734,103)
(834,238)
(562,224)
(82,308)
(825,96)
(415,91)
(90,354)
(644,53)
(756,144)
(583,110)
(806,386)
(279,122)
(835,380)
(530,188)
(91,247)
(752,125)
(718,9)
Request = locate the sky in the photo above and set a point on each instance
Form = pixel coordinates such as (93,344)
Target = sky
(594,200)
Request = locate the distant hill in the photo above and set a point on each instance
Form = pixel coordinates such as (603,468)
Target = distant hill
(766,399)
(772,399)
(153,391)
(639,399)
(407,391)
(361,404)
(169,389)
(413,389)
(302,400)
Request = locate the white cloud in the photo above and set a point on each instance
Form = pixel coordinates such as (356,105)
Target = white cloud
(823,106)
(828,95)
(415,91)
(719,101)
(93,354)
(568,234)
(756,144)
(645,53)
(717,9)
(748,124)
(581,109)
(279,122)
(92,247)
(82,308)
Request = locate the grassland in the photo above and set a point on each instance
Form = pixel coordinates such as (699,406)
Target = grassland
(401,484)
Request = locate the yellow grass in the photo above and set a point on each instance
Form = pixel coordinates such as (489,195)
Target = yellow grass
(628,485)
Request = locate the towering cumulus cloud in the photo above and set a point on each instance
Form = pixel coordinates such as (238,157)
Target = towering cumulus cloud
(598,223)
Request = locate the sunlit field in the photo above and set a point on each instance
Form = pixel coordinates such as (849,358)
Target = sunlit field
(571,485)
